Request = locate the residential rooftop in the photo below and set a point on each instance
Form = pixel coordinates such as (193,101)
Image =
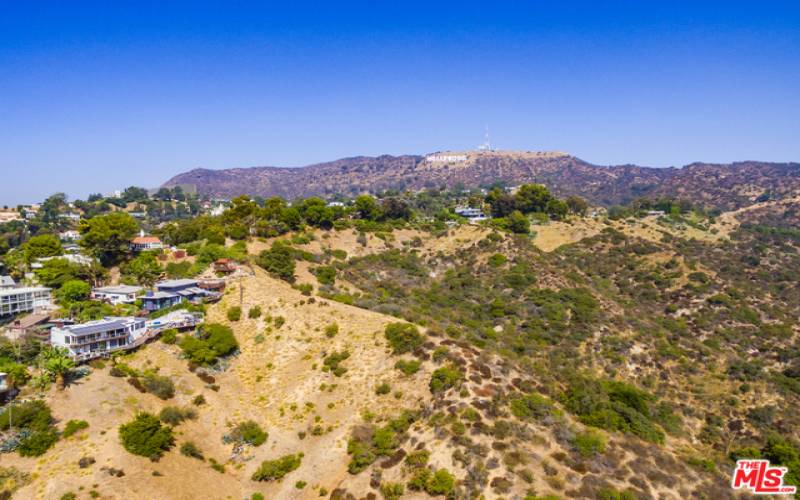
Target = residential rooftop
(121,289)
(102,325)
(26,289)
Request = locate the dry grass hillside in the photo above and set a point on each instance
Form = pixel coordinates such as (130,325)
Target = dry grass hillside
(277,380)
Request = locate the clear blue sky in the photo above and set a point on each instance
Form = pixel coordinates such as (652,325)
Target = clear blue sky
(102,95)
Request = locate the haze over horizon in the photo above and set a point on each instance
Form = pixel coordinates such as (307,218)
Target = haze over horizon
(98,97)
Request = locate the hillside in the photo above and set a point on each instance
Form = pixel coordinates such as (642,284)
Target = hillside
(726,187)
(685,359)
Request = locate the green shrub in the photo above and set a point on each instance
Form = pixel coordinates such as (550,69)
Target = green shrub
(215,341)
(333,361)
(249,432)
(408,367)
(173,415)
(383,388)
(254,312)
(497,260)
(392,491)
(234,313)
(145,436)
(403,337)
(189,449)
(418,458)
(326,275)
(169,336)
(589,443)
(614,405)
(440,482)
(37,443)
(533,406)
(445,378)
(271,470)
(278,261)
(74,426)
(158,385)
(331,330)
(33,415)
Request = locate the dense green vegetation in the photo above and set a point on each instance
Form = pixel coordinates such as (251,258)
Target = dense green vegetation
(212,342)
(145,436)
(271,470)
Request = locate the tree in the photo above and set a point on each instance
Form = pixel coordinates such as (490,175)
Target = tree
(57,364)
(557,209)
(73,291)
(51,208)
(403,337)
(278,261)
(532,198)
(367,208)
(501,202)
(143,270)
(134,193)
(43,245)
(108,236)
(396,208)
(577,205)
(55,272)
(518,223)
(291,218)
(145,436)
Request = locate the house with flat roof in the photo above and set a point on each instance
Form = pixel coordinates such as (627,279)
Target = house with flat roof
(120,294)
(100,337)
(473,214)
(19,300)
(6,282)
(169,293)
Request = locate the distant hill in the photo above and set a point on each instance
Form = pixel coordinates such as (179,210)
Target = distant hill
(727,186)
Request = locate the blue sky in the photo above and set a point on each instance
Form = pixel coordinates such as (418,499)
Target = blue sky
(101,95)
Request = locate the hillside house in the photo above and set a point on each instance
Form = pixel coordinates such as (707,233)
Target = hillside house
(144,242)
(98,338)
(7,282)
(20,300)
(169,293)
(121,294)
(225,266)
(29,324)
(74,258)
(69,235)
(472,214)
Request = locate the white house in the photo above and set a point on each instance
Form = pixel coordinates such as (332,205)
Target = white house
(473,214)
(143,242)
(122,294)
(100,337)
(6,282)
(69,235)
(20,300)
(75,258)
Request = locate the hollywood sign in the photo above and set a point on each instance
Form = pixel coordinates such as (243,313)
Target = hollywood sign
(446,158)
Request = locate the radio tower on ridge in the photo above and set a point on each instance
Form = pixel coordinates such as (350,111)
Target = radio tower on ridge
(487,143)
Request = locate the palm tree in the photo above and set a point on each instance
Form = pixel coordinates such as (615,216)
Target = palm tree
(58,364)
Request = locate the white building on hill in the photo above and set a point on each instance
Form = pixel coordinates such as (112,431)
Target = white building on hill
(20,300)
(121,294)
(100,337)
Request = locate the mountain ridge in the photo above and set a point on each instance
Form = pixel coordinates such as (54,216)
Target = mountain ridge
(723,185)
